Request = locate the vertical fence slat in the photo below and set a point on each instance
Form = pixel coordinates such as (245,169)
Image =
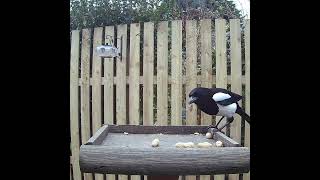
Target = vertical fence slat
(121,78)
(162,73)
(206,68)
(96,87)
(74,104)
(221,65)
(108,86)
(221,58)
(148,61)
(96,82)
(108,75)
(206,62)
(246,176)
(191,73)
(148,45)
(176,73)
(191,69)
(134,72)
(85,88)
(236,84)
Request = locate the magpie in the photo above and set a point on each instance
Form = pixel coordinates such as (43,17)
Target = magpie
(218,102)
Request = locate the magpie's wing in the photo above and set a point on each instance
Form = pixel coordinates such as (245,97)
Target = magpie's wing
(224,97)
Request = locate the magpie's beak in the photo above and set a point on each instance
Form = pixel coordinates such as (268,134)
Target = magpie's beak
(192,99)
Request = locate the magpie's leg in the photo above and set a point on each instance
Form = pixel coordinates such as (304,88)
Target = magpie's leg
(229,121)
(219,122)
(216,126)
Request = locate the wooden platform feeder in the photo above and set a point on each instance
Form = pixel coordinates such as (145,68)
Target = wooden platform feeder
(112,151)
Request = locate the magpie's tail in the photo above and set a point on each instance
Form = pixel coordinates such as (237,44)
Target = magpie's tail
(243,114)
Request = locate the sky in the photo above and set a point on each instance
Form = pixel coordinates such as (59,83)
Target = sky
(243,6)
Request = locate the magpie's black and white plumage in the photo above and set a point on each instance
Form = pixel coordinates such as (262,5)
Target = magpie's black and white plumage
(218,102)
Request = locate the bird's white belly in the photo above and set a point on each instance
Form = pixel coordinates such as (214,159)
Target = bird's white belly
(227,111)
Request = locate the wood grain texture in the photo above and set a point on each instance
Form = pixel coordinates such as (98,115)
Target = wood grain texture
(206,62)
(121,75)
(85,75)
(85,88)
(221,66)
(108,86)
(144,129)
(134,73)
(74,104)
(206,67)
(176,73)
(96,82)
(236,85)
(108,80)
(96,86)
(191,69)
(121,103)
(162,73)
(184,80)
(221,58)
(246,176)
(191,73)
(148,63)
(227,141)
(99,136)
(116,152)
(165,161)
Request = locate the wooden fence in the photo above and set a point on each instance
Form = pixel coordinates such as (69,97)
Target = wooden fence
(149,84)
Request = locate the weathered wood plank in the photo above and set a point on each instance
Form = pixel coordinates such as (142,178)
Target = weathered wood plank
(85,88)
(96,87)
(74,103)
(162,73)
(96,82)
(148,63)
(164,161)
(121,81)
(191,71)
(108,86)
(99,136)
(144,129)
(184,80)
(221,66)
(134,73)
(107,81)
(247,87)
(221,58)
(236,85)
(206,67)
(176,73)
(227,141)
(206,62)
(121,75)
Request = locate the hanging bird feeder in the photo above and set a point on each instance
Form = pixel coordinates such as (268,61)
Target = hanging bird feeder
(109,50)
